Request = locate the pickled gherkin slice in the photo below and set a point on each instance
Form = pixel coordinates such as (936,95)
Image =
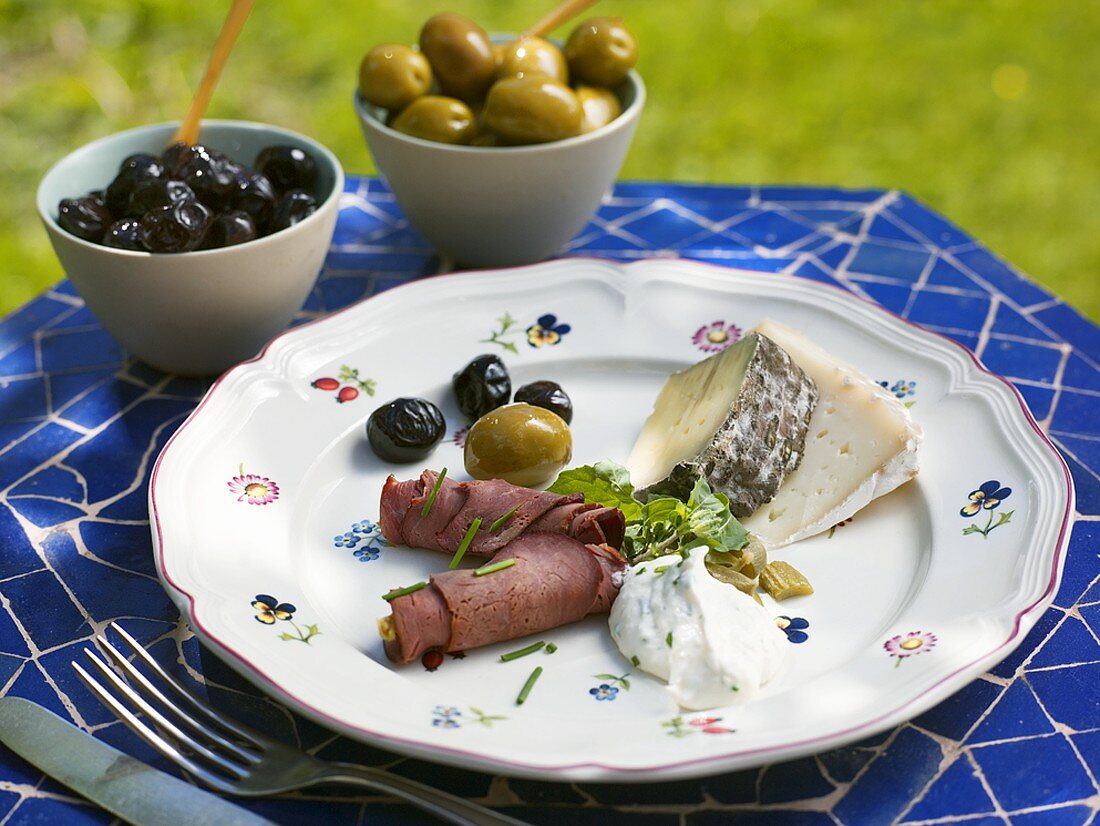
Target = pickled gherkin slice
(781,580)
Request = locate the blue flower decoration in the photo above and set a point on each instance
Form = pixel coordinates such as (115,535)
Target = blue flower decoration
(445,722)
(546,331)
(903,388)
(794,628)
(366,554)
(364,527)
(604,692)
(988,496)
(346,540)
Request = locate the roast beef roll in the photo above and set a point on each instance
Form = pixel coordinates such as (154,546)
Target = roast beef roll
(555,580)
(457,504)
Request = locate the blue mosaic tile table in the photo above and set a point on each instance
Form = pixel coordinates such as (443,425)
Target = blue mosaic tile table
(80,425)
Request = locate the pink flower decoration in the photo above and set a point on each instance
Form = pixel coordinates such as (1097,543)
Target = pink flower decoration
(717,730)
(460,437)
(716,336)
(703,721)
(252,488)
(909,645)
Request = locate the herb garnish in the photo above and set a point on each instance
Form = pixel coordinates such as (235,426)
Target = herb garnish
(551,648)
(467,540)
(523,652)
(664,524)
(435,492)
(501,520)
(484,570)
(668,639)
(527,686)
(400,592)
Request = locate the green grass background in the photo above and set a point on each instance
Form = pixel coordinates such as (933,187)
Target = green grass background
(988,110)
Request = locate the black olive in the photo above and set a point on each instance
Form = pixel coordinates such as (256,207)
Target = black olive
(210,174)
(295,205)
(85,217)
(255,195)
(549,396)
(154,193)
(178,227)
(405,430)
(229,229)
(124,234)
(481,386)
(134,170)
(287,167)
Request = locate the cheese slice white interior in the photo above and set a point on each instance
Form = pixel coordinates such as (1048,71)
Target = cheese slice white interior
(690,408)
(862,443)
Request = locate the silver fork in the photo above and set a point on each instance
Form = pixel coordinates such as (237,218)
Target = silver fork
(235,759)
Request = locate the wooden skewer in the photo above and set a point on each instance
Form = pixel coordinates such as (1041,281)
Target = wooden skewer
(566,10)
(189,130)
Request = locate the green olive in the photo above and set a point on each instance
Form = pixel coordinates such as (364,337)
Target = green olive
(519,443)
(532,109)
(532,56)
(437,118)
(600,105)
(393,75)
(460,53)
(601,51)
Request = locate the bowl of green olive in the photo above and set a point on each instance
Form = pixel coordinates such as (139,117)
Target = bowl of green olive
(499,149)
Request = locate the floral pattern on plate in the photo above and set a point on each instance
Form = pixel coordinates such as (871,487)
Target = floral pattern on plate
(902,389)
(679,727)
(987,496)
(366,533)
(270,611)
(794,627)
(545,332)
(716,336)
(253,488)
(609,689)
(903,646)
(452,717)
(348,382)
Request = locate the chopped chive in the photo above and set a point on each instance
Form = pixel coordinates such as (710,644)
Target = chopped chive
(467,540)
(634,661)
(400,592)
(527,686)
(734,688)
(551,648)
(668,639)
(640,571)
(496,566)
(502,519)
(522,652)
(435,492)
(660,569)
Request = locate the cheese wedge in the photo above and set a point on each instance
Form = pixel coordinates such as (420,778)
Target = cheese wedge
(861,444)
(737,419)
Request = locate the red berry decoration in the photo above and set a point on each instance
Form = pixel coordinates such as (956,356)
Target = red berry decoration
(432,660)
(347,394)
(325,384)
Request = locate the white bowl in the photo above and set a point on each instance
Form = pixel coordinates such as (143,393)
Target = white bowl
(493,206)
(193,313)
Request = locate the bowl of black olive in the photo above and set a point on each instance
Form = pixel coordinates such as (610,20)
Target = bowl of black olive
(193,256)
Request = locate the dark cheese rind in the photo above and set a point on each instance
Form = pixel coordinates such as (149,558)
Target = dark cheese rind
(761,440)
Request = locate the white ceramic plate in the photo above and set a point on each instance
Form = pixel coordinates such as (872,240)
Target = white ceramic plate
(269,492)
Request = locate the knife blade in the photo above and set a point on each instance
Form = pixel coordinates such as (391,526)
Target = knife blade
(120,784)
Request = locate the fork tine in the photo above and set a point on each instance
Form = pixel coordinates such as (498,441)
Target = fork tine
(142,685)
(248,735)
(233,769)
(147,734)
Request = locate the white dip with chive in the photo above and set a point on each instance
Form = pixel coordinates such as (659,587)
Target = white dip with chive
(712,643)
